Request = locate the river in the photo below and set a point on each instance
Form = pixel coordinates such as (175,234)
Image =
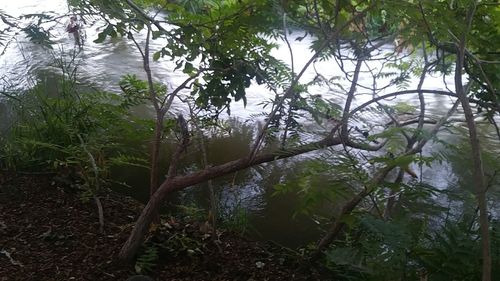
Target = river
(270,217)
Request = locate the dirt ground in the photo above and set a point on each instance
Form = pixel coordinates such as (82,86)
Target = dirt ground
(47,232)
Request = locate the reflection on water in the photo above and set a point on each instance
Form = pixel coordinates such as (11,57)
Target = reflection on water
(102,65)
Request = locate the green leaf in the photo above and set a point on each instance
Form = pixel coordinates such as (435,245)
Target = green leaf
(188,68)
(156,34)
(156,56)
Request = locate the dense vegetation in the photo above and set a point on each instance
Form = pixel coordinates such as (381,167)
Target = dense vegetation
(380,219)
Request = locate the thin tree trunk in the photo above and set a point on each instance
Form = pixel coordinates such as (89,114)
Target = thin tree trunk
(338,225)
(479,180)
(100,213)
(155,160)
(347,209)
(477,162)
(212,217)
(155,155)
(388,211)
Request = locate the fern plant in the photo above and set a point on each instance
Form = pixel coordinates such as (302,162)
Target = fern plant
(147,260)
(78,135)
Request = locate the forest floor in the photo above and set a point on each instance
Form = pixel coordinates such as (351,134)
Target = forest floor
(48,233)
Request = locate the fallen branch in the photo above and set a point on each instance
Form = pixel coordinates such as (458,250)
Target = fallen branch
(12,261)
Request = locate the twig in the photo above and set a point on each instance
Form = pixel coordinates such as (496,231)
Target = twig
(12,261)
(213,203)
(290,90)
(97,185)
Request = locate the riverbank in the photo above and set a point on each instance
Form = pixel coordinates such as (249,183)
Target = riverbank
(48,233)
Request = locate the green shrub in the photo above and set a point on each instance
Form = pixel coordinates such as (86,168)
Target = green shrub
(63,130)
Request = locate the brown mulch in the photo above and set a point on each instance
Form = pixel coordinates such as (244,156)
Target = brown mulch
(48,233)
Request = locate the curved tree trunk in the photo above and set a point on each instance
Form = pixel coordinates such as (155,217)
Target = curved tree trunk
(147,216)
(478,172)
(339,224)
(477,162)
(171,184)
